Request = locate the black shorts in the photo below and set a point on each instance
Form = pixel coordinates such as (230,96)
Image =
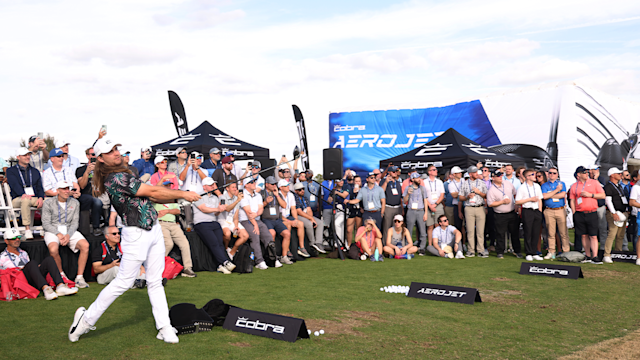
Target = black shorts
(276,225)
(354,212)
(586,223)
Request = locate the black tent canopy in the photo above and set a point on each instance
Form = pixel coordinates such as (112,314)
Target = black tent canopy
(448,150)
(205,137)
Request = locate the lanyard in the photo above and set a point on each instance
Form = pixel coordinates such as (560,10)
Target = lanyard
(394,184)
(446,235)
(303,200)
(617,189)
(21,178)
(11,257)
(456,185)
(501,190)
(193,176)
(118,254)
(370,194)
(583,185)
(434,183)
(53,171)
(65,213)
(534,189)
(413,199)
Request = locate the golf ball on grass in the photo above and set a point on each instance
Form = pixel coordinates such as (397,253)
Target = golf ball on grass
(321,332)
(316,333)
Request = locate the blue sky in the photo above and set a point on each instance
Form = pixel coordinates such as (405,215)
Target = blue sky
(71,66)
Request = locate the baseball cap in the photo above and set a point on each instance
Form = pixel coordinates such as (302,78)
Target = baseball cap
(226,160)
(340,179)
(248,179)
(298,186)
(614,170)
(22,151)
(57,152)
(145,149)
(62,143)
(229,153)
(33,138)
(594,167)
(271,180)
(208,181)
(496,172)
(310,172)
(256,163)
(398,217)
(63,185)
(472,169)
(178,150)
(371,174)
(466,174)
(158,160)
(196,154)
(622,217)
(456,170)
(393,168)
(104,146)
(580,169)
(125,153)
(283,183)
(415,175)
(214,150)
(12,234)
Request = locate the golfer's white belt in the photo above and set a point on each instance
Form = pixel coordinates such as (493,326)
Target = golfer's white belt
(393,206)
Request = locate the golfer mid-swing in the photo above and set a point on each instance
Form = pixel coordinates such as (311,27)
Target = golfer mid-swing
(142,241)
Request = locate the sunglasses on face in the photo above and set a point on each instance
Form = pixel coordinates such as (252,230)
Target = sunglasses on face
(397,221)
(183,152)
(115,233)
(552,173)
(256,167)
(444,220)
(92,154)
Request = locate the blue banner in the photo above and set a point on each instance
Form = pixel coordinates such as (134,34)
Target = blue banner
(367,137)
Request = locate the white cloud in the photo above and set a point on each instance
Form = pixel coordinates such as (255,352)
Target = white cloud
(614,81)
(121,55)
(538,70)
(198,15)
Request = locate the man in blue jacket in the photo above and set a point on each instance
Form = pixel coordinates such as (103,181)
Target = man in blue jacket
(26,188)
(144,165)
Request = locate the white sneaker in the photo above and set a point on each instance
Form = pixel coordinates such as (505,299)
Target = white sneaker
(278,264)
(459,255)
(28,235)
(537,257)
(80,283)
(607,260)
(229,253)
(224,270)
(285,260)
(229,265)
(262,266)
(638,261)
(64,289)
(79,326)
(529,258)
(49,294)
(550,255)
(168,334)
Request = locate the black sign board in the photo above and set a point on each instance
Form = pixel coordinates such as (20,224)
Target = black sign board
(557,271)
(621,256)
(444,293)
(263,324)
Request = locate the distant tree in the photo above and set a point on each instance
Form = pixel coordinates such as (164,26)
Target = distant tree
(319,178)
(48,139)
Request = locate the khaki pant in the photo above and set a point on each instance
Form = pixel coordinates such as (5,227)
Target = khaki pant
(475,218)
(448,211)
(25,208)
(615,233)
(557,217)
(173,234)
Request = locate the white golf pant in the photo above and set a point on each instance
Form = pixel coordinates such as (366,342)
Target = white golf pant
(139,247)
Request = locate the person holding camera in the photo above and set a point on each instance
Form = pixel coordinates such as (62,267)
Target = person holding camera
(87,201)
(144,165)
(39,155)
(193,174)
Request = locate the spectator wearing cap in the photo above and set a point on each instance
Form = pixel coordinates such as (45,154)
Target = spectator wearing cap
(473,192)
(69,161)
(162,176)
(194,175)
(144,165)
(583,196)
(57,173)
(311,192)
(373,200)
(125,159)
(339,194)
(594,173)
(214,162)
(415,195)
(256,166)
(312,224)
(88,202)
(398,241)
(378,175)
(617,213)
(529,196)
(25,183)
(446,240)
(272,215)
(435,199)
(290,216)
(173,234)
(39,154)
(223,175)
(251,208)
(500,197)
(489,224)
(554,192)
(237,171)
(60,219)
(392,186)
(229,219)
(510,176)
(14,257)
(105,260)
(455,211)
(408,181)
(205,216)
(284,170)
(181,165)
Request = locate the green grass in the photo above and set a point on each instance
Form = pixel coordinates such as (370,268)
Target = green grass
(521,317)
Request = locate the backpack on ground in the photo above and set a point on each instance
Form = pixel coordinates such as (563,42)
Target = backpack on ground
(571,256)
(242,259)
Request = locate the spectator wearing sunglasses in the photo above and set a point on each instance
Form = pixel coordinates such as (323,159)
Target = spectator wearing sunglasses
(105,260)
(223,175)
(214,162)
(125,159)
(529,196)
(39,156)
(161,176)
(284,171)
(554,192)
(500,198)
(255,174)
(57,173)
(446,240)
(583,199)
(25,183)
(144,165)
(237,171)
(398,241)
(87,201)
(14,257)
(194,174)
(68,160)
(373,200)
(180,166)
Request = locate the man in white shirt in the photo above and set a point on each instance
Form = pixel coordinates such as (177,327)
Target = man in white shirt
(230,221)
(251,207)
(446,240)
(529,196)
(435,198)
(69,161)
(56,172)
(194,175)
(454,189)
(473,192)
(290,217)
